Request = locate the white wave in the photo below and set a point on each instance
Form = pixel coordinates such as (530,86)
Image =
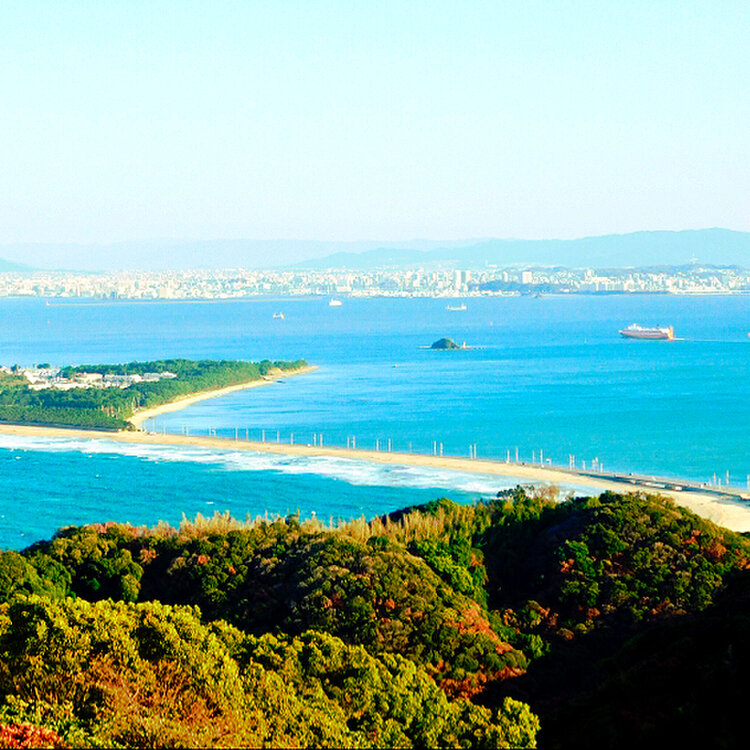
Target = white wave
(351,471)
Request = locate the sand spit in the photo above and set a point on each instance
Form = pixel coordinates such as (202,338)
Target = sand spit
(141,416)
(723,511)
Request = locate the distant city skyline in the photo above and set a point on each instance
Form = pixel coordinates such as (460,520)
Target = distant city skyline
(335,121)
(435,282)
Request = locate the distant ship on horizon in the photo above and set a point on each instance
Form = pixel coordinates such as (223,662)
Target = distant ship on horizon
(335,302)
(456,308)
(635,331)
(278,316)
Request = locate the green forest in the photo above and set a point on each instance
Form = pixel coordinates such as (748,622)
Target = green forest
(602,622)
(111,408)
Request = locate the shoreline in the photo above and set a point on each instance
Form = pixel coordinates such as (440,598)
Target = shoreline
(140,416)
(711,506)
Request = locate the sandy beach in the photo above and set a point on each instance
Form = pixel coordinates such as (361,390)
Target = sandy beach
(141,416)
(728,513)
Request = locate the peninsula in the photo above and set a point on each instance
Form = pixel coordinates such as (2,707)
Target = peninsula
(117,397)
(113,401)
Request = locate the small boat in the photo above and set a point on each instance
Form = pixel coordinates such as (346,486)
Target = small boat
(278,316)
(456,308)
(335,302)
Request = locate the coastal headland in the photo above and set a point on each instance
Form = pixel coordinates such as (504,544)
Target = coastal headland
(108,396)
(715,507)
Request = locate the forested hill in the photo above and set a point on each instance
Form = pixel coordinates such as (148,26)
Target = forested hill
(609,620)
(110,408)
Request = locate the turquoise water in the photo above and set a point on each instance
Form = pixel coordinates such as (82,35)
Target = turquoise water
(547,374)
(48,484)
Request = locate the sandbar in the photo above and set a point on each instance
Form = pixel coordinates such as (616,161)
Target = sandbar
(723,511)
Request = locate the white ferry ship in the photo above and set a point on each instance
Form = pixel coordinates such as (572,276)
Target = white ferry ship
(634,331)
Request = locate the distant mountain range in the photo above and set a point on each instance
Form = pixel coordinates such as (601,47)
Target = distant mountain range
(664,248)
(162,255)
(8,265)
(658,248)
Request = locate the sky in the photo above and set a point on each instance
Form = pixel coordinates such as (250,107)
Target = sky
(340,121)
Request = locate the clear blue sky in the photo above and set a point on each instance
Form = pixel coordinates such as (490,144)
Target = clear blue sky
(371,120)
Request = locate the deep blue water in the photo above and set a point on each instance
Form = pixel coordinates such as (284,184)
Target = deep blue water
(550,374)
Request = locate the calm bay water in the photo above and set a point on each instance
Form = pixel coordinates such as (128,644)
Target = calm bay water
(550,374)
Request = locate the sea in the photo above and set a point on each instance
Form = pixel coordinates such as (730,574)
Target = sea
(545,379)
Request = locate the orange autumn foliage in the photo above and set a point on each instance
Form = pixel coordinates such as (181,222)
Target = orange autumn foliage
(28,736)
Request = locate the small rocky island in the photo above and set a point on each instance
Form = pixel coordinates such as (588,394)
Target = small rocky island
(446,344)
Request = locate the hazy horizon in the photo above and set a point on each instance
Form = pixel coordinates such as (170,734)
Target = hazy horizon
(334,120)
(713,246)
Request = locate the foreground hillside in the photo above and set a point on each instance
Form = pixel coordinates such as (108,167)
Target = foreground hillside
(610,621)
